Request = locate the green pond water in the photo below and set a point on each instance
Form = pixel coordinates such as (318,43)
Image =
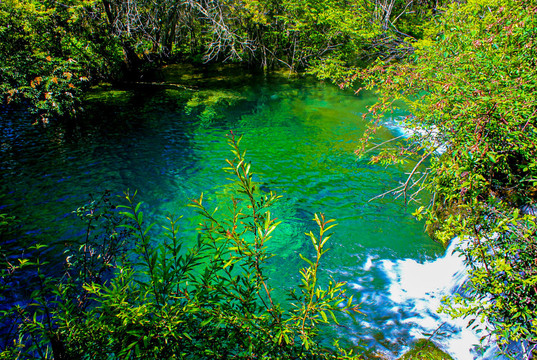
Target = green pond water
(169,143)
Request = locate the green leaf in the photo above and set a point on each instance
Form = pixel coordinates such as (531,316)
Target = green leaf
(148,229)
(306,260)
(323,315)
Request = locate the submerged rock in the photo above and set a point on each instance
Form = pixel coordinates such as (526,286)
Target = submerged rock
(425,349)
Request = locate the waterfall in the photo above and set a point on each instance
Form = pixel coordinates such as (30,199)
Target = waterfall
(418,288)
(414,292)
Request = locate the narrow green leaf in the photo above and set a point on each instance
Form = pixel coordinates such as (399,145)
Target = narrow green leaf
(306,259)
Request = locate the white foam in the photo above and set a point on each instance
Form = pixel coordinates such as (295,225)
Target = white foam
(415,291)
(418,288)
(400,127)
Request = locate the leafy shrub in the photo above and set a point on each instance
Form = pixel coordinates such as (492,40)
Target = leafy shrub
(470,88)
(128,292)
(49,52)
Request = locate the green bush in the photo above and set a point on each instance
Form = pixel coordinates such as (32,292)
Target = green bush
(49,53)
(129,291)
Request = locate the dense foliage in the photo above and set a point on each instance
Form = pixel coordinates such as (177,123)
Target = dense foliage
(471,91)
(50,49)
(48,52)
(128,292)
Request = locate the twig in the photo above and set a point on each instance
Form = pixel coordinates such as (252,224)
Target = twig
(383,143)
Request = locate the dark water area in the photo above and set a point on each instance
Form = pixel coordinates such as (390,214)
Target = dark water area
(168,142)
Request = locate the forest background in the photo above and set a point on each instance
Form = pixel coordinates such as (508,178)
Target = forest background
(466,72)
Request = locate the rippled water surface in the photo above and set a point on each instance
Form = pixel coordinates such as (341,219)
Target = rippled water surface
(169,143)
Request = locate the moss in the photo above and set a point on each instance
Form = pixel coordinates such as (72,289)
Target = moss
(214,97)
(105,94)
(211,104)
(437,226)
(425,349)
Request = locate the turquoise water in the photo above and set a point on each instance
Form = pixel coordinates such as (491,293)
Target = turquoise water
(169,143)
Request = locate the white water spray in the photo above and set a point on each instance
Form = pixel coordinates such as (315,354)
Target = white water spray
(419,289)
(415,291)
